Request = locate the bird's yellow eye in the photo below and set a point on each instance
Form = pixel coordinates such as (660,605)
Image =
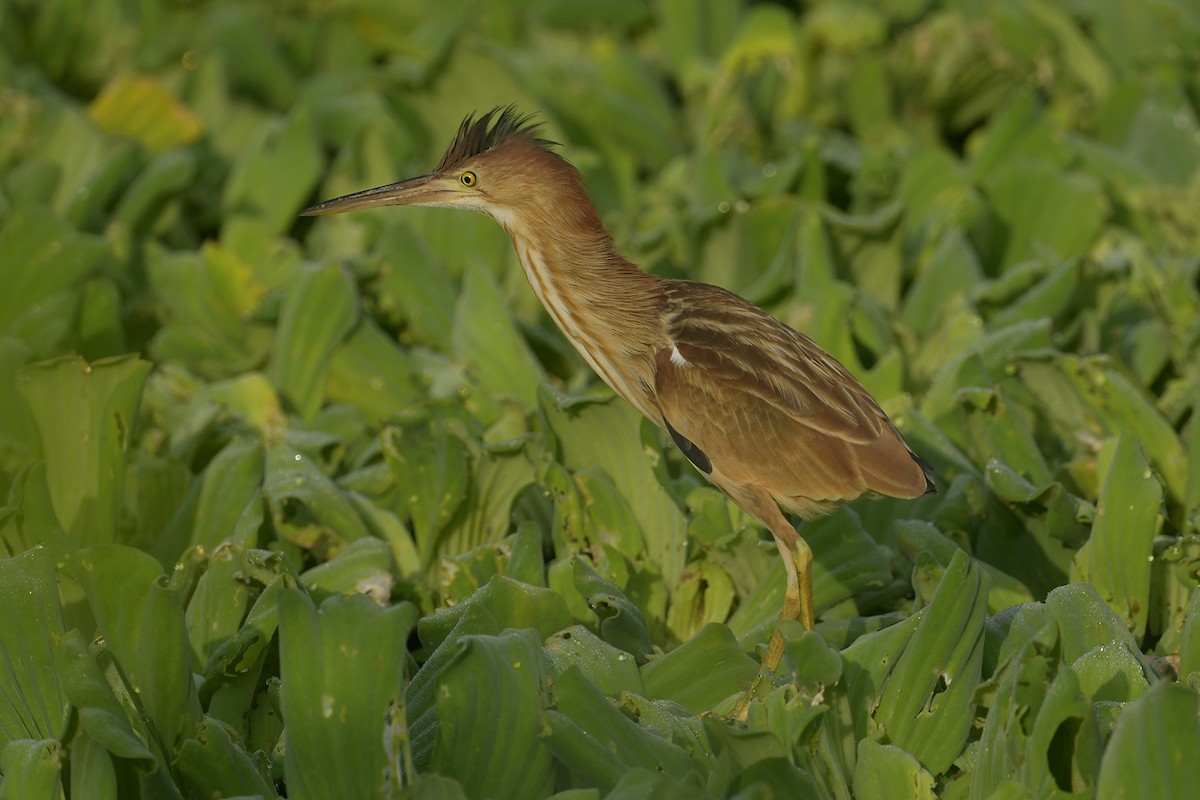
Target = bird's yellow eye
(469,179)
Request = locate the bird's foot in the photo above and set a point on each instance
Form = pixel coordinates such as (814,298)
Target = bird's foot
(764,679)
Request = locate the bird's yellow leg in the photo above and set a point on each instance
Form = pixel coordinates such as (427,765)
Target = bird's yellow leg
(797,602)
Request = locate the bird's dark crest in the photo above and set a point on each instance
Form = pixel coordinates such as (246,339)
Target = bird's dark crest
(477,136)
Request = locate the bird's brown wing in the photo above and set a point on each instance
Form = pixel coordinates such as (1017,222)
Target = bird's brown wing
(764,405)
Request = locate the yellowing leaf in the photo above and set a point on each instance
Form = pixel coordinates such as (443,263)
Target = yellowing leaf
(143,109)
(232,278)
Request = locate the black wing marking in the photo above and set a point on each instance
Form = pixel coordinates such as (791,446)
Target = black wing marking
(694,454)
(930,486)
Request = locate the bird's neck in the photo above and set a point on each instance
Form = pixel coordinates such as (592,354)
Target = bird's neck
(609,309)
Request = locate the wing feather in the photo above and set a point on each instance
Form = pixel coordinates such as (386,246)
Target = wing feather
(770,408)
(747,349)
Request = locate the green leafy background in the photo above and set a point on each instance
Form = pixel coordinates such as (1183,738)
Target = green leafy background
(328,508)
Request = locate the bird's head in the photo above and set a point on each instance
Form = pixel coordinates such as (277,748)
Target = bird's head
(497,164)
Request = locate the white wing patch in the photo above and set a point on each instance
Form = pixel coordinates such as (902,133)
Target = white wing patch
(677,357)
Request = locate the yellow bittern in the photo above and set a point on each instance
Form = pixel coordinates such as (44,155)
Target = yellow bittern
(761,410)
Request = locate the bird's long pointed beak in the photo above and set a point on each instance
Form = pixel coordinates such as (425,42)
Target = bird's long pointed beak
(425,190)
